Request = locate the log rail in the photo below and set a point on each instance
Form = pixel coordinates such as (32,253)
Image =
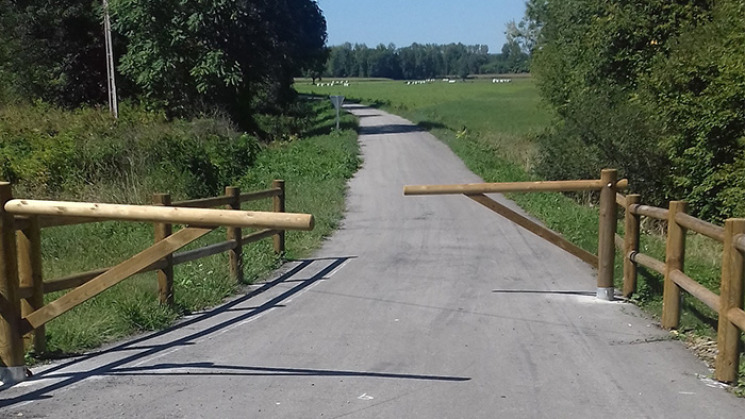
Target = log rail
(23,313)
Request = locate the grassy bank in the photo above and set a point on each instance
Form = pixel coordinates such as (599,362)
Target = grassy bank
(315,164)
(490,127)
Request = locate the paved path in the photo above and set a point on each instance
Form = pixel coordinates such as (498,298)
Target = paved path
(419,307)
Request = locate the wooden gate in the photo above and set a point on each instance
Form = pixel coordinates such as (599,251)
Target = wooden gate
(22,308)
(728,304)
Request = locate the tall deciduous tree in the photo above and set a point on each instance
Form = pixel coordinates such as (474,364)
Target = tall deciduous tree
(233,54)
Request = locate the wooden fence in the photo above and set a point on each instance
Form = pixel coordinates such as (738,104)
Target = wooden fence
(22,287)
(728,304)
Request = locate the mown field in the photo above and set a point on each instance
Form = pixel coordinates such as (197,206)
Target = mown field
(500,114)
(491,126)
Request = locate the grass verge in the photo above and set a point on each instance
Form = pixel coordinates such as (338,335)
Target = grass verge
(315,166)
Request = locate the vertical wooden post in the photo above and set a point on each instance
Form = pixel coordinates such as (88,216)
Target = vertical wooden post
(731,296)
(607,234)
(29,275)
(630,245)
(234,233)
(11,343)
(674,260)
(165,275)
(279,206)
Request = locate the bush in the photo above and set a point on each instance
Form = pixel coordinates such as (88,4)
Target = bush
(601,132)
(48,152)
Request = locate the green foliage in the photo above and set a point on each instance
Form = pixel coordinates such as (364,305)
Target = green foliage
(653,88)
(50,152)
(191,55)
(599,132)
(699,92)
(53,51)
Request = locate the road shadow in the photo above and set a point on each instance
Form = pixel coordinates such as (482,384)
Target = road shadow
(430,125)
(212,369)
(141,343)
(421,126)
(547,292)
(390,129)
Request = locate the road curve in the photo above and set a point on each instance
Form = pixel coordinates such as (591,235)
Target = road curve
(418,307)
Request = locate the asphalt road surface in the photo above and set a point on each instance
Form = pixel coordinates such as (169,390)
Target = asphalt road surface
(418,307)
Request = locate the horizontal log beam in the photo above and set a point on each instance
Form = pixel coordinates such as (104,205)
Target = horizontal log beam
(76,280)
(203,252)
(700,226)
(72,281)
(259,235)
(482,188)
(255,196)
(22,222)
(697,290)
(536,229)
(648,211)
(648,262)
(161,214)
(212,202)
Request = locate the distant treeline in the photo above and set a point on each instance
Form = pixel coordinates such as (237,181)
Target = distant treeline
(422,61)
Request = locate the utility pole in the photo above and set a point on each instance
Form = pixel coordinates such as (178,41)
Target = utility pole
(110,75)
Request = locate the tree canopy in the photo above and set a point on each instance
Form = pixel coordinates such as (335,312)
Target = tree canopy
(183,55)
(654,88)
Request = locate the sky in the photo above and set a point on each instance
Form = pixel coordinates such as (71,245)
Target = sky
(404,22)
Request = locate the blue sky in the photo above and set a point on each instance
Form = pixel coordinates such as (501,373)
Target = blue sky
(424,21)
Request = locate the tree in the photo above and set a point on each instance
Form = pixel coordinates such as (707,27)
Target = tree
(54,50)
(187,55)
(698,92)
(652,87)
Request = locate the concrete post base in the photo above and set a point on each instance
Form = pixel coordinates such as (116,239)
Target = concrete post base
(605,294)
(10,376)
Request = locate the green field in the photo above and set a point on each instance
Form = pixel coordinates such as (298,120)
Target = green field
(503,115)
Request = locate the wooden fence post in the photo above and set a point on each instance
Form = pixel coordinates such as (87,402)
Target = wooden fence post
(731,296)
(674,260)
(30,275)
(234,233)
(11,343)
(279,206)
(630,245)
(607,234)
(165,275)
